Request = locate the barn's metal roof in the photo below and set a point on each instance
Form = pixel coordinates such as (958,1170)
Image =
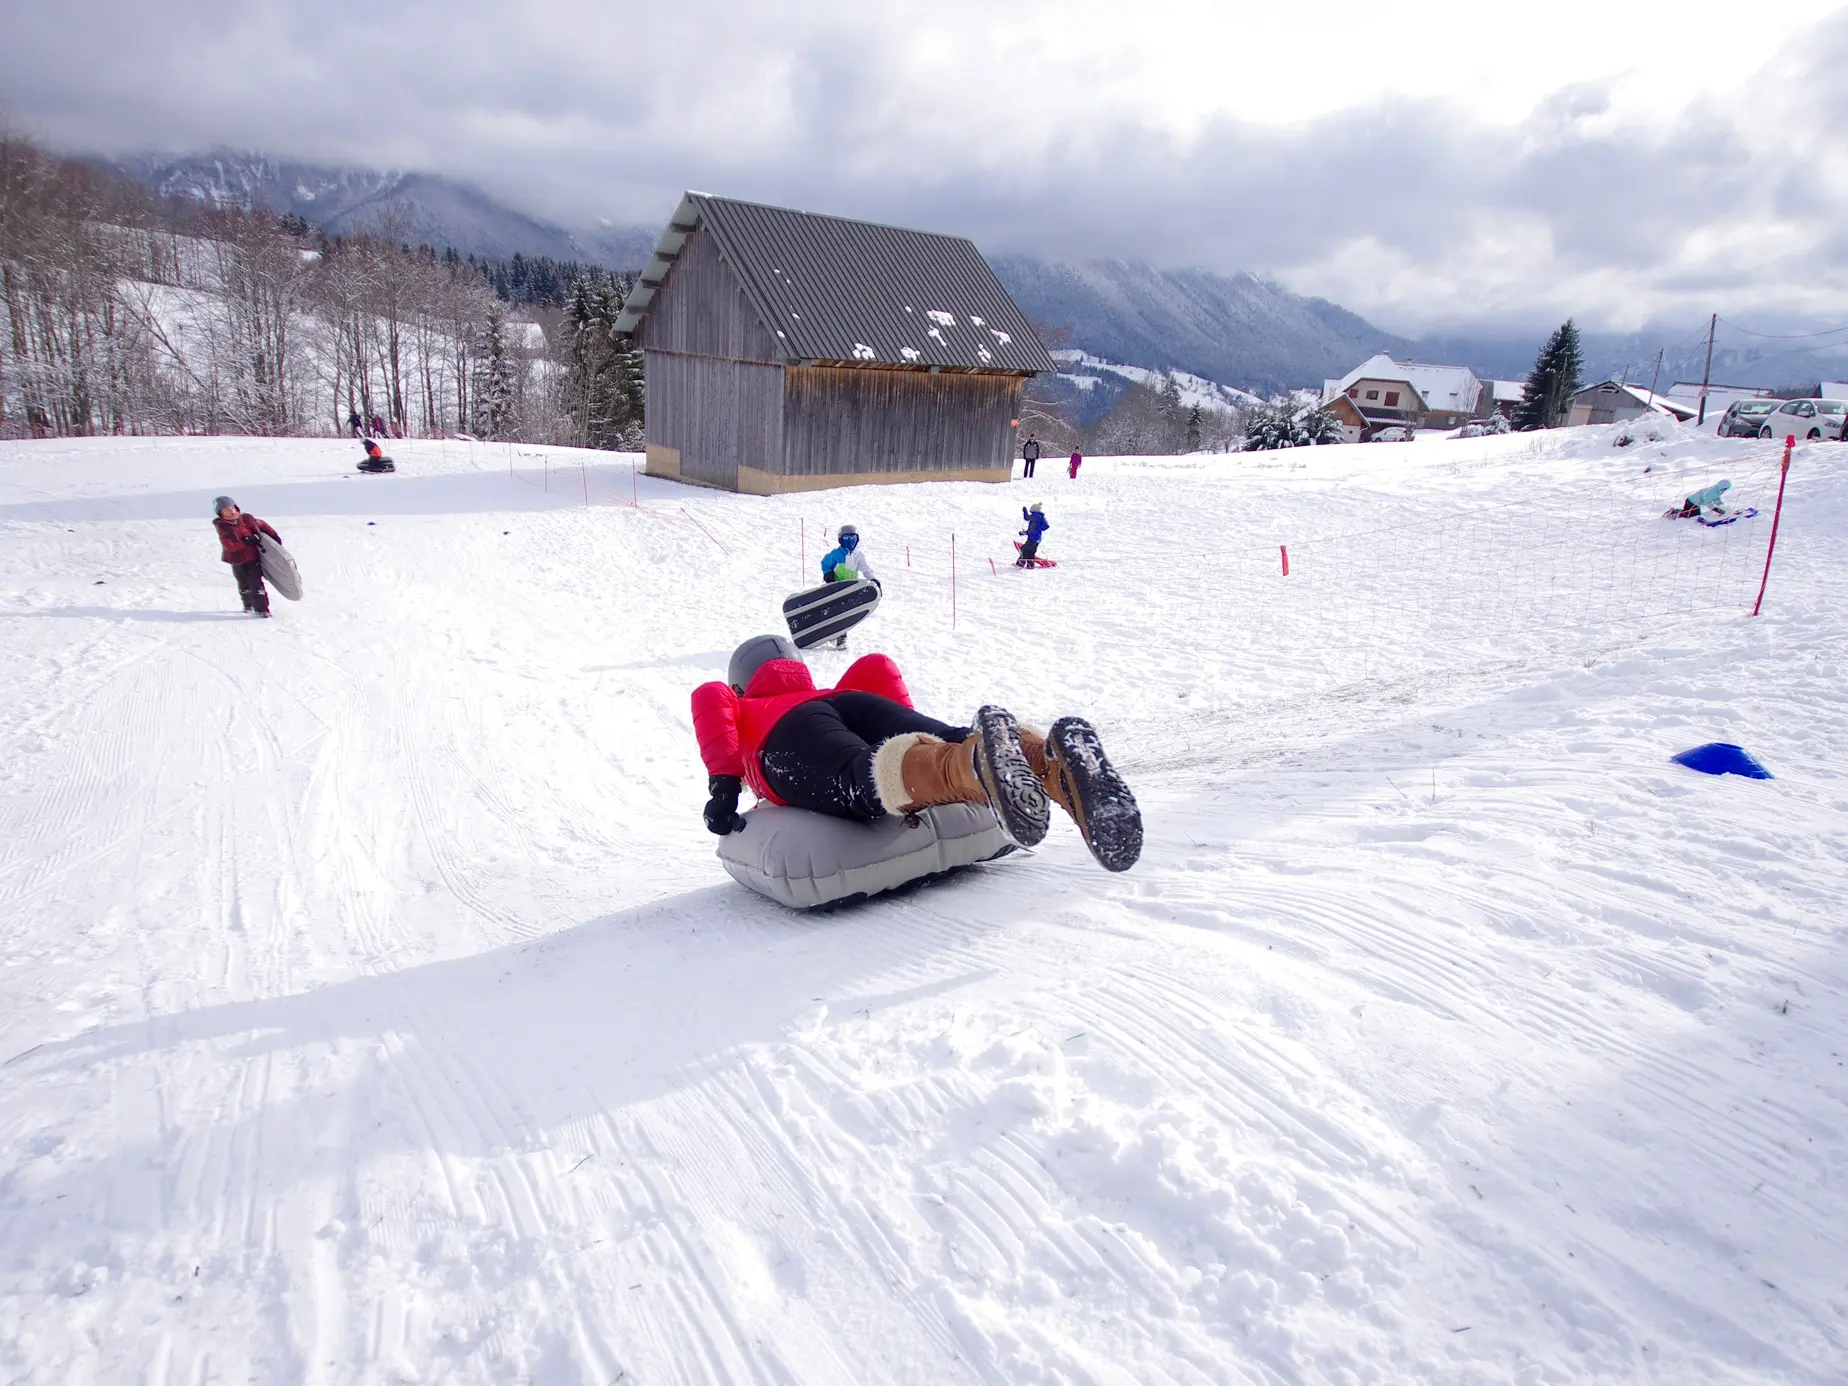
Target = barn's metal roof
(831,289)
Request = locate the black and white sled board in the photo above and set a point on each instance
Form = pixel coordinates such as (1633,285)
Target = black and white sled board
(821,613)
(279,568)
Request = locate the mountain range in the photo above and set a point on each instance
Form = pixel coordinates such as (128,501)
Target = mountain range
(421,208)
(1237,330)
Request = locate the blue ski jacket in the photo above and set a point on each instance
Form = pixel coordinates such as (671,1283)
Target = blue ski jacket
(1037,524)
(847,555)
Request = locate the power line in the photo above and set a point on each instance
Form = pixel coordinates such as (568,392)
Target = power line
(1785,336)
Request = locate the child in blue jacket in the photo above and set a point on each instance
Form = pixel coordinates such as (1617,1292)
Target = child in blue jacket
(1037,525)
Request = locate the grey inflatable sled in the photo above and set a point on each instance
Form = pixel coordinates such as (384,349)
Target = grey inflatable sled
(804,859)
(832,609)
(279,568)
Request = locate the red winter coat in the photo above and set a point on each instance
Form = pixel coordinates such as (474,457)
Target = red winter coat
(731,728)
(239,537)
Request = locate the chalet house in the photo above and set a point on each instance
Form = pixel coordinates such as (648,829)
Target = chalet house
(788,351)
(1505,397)
(1410,394)
(1611,402)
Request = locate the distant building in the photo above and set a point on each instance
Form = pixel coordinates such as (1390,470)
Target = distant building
(1410,394)
(1612,402)
(787,351)
(1833,389)
(1505,396)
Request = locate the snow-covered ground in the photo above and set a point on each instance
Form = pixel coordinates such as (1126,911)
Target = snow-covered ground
(374,1008)
(1084,370)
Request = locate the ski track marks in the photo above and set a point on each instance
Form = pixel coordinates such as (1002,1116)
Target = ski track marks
(373,1009)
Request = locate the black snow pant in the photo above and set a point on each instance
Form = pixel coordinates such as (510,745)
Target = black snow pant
(819,755)
(1028,470)
(250,586)
(1028,551)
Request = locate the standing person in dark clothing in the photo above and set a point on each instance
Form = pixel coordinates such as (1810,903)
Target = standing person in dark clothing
(1029,453)
(353,422)
(378,426)
(237,535)
(1037,525)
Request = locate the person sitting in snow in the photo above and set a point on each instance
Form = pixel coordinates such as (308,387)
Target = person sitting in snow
(1708,500)
(1037,525)
(237,536)
(861,751)
(375,459)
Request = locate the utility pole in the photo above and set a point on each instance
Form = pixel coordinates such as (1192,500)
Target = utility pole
(1707,373)
(1657,376)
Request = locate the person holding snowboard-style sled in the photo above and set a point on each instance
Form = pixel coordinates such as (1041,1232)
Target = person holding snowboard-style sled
(1037,525)
(860,751)
(847,562)
(237,535)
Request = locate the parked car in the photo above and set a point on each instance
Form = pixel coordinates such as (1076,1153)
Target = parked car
(1805,419)
(1836,412)
(1393,433)
(1744,417)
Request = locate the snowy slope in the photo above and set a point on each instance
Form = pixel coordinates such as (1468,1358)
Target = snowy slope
(1083,371)
(374,1008)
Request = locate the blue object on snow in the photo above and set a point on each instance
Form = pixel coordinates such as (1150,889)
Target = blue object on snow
(1722,758)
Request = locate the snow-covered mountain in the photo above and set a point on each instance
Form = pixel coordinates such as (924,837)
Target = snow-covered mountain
(1239,331)
(434,210)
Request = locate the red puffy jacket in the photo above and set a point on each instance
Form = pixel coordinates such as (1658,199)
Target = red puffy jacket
(239,537)
(731,728)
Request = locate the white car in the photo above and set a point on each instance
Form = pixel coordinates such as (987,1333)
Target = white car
(1808,420)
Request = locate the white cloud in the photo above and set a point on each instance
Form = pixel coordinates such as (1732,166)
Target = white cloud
(1432,165)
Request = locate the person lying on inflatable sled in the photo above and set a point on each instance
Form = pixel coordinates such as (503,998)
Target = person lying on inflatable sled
(1708,500)
(860,751)
(848,561)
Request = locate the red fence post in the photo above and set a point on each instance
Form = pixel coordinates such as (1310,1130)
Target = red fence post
(635,487)
(992,570)
(952,582)
(1783,473)
(584,472)
(804,572)
(1284,549)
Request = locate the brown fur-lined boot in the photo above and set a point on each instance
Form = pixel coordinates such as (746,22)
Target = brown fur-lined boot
(918,771)
(1071,766)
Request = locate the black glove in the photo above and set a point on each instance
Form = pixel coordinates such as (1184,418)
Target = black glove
(722,814)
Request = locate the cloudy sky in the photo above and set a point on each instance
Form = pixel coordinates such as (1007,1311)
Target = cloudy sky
(1427,164)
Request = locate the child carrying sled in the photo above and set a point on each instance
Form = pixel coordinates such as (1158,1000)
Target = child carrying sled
(237,536)
(860,751)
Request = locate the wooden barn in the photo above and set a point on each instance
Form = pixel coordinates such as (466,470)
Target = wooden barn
(787,351)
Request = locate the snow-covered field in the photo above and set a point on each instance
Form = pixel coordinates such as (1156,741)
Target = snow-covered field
(373,1009)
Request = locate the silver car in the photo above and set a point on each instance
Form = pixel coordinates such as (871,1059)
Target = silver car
(1808,420)
(1744,417)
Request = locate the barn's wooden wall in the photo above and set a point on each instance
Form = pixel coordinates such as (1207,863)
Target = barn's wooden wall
(701,310)
(716,415)
(840,420)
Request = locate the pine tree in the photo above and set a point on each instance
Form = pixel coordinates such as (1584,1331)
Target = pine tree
(1554,380)
(494,378)
(1193,429)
